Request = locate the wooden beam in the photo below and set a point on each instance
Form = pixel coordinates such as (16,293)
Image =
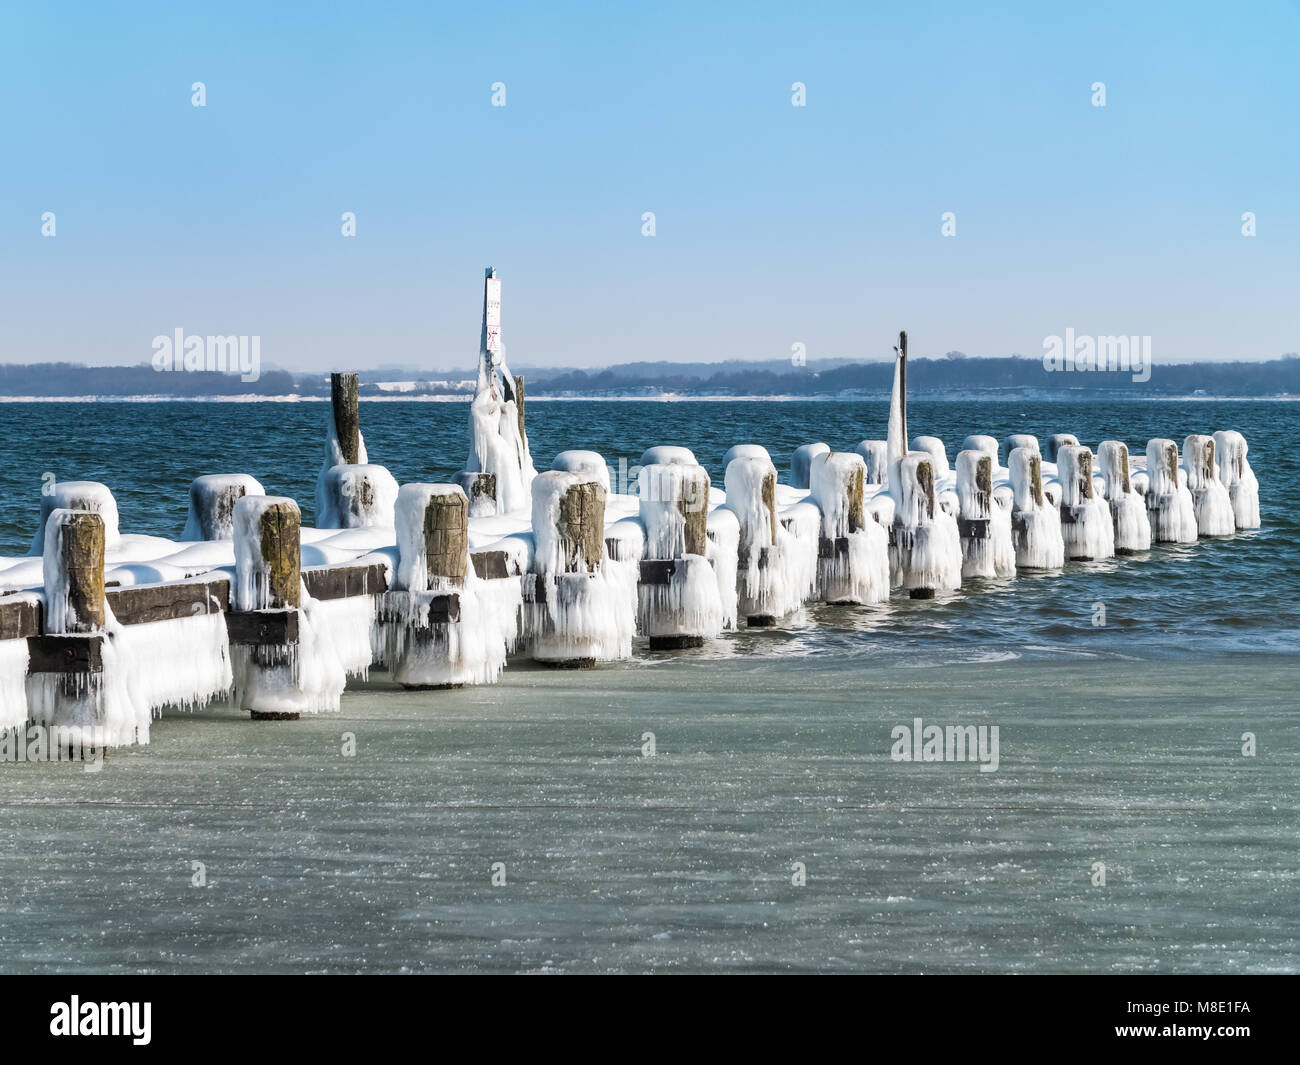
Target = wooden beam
(142,603)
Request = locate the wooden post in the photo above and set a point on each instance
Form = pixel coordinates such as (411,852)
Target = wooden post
(77,606)
(519,404)
(347,415)
(902,384)
(280,525)
(582,526)
(481,491)
(446,537)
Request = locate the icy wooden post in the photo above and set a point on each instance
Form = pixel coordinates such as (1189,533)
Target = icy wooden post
(212,505)
(519,403)
(852,551)
(1170,508)
(757,535)
(975,500)
(678,604)
(1210,497)
(1057,441)
(1238,478)
(1035,524)
(875,453)
(1127,510)
(582,526)
(265,598)
(927,545)
(347,414)
(357,496)
(71,650)
(481,491)
(432,526)
(1086,523)
(74,573)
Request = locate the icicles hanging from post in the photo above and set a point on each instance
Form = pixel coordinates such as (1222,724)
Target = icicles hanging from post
(853,551)
(768,582)
(1210,499)
(801,464)
(1127,509)
(283,661)
(1035,523)
(73,688)
(440,625)
(1170,508)
(499,442)
(926,555)
(578,609)
(1238,478)
(678,601)
(1086,524)
(212,505)
(983,521)
(875,454)
(78,495)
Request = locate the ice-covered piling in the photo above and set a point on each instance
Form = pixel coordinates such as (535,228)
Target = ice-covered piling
(852,551)
(875,454)
(934,447)
(346,409)
(1035,523)
(357,496)
(481,491)
(668,455)
(801,463)
(68,688)
(579,610)
(1057,441)
(1170,507)
(1237,476)
(589,465)
(284,662)
(1128,510)
(984,522)
(1086,524)
(499,442)
(1015,440)
(767,581)
(1210,499)
(926,555)
(212,504)
(440,625)
(678,601)
(78,495)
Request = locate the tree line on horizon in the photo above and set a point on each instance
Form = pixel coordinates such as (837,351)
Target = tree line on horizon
(1275,377)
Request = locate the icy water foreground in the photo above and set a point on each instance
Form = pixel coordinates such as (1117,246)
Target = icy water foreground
(615,862)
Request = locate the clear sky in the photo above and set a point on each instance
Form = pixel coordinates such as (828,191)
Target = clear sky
(774,224)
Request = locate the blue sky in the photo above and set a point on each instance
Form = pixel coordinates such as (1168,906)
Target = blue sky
(775,225)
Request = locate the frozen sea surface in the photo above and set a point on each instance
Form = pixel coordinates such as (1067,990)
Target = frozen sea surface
(618,862)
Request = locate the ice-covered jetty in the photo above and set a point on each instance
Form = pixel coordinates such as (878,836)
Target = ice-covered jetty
(101,629)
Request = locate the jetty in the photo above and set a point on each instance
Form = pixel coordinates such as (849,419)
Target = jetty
(441,585)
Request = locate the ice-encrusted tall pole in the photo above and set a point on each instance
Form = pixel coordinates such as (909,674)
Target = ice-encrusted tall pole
(499,472)
(896,449)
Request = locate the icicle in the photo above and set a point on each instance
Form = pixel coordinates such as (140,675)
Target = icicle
(1035,523)
(801,463)
(1213,505)
(1170,508)
(1127,508)
(875,453)
(1238,478)
(1086,524)
(853,551)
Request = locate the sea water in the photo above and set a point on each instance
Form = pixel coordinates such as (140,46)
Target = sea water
(732,808)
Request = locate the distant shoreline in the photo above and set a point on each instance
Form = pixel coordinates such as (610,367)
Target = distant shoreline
(883,397)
